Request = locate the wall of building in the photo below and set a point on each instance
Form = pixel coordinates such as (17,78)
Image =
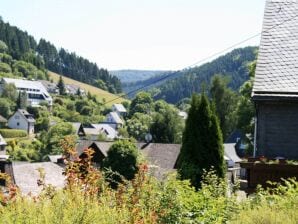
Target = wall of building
(277,130)
(17,121)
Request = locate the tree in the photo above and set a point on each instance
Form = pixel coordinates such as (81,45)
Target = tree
(3,47)
(10,91)
(225,102)
(22,100)
(4,107)
(138,125)
(167,125)
(122,158)
(61,86)
(202,144)
(142,103)
(245,109)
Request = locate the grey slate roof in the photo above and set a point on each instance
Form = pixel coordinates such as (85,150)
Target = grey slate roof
(26,176)
(27,116)
(276,71)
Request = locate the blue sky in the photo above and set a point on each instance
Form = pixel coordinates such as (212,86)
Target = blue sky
(138,34)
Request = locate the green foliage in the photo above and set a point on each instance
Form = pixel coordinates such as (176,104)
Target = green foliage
(138,125)
(225,101)
(87,198)
(3,47)
(53,137)
(28,70)
(22,100)
(10,91)
(5,107)
(167,126)
(245,109)
(188,81)
(142,103)
(5,68)
(13,133)
(122,160)
(278,204)
(61,86)
(202,144)
(24,150)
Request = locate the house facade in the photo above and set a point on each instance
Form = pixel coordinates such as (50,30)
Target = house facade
(114,120)
(275,89)
(35,90)
(119,109)
(21,119)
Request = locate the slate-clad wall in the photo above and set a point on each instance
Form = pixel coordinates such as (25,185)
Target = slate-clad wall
(277,130)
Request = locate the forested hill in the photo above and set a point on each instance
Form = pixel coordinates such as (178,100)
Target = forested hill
(131,75)
(185,82)
(22,45)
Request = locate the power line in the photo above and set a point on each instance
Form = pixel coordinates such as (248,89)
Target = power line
(202,60)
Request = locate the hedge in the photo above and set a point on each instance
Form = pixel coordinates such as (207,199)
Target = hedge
(13,133)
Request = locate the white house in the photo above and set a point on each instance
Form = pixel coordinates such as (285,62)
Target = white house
(119,109)
(21,119)
(93,131)
(35,90)
(114,120)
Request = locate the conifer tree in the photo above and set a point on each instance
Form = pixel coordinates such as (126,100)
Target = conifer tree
(61,86)
(202,144)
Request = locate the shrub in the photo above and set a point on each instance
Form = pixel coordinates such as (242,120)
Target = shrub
(13,133)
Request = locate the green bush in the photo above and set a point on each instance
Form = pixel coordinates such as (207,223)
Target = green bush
(13,133)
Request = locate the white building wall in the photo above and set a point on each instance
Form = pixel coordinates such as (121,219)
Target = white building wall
(17,121)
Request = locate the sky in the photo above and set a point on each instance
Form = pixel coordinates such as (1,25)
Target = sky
(139,34)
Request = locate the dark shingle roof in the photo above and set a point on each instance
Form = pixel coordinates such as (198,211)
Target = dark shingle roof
(276,71)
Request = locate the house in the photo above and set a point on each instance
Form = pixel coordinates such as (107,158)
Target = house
(162,158)
(93,131)
(3,144)
(50,86)
(3,122)
(275,88)
(27,177)
(35,90)
(119,109)
(114,120)
(21,119)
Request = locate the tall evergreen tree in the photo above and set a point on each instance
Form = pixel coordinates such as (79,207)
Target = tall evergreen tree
(22,100)
(202,144)
(61,86)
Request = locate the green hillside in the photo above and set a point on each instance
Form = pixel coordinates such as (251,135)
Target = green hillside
(184,83)
(101,94)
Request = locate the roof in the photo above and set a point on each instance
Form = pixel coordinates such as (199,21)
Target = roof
(2,119)
(116,117)
(2,141)
(110,132)
(230,152)
(29,85)
(26,176)
(183,114)
(55,158)
(161,156)
(276,71)
(76,126)
(84,144)
(119,107)
(26,115)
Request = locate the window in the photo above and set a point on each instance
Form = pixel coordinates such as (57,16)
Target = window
(18,124)
(17,117)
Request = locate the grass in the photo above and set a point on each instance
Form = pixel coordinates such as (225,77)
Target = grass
(101,94)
